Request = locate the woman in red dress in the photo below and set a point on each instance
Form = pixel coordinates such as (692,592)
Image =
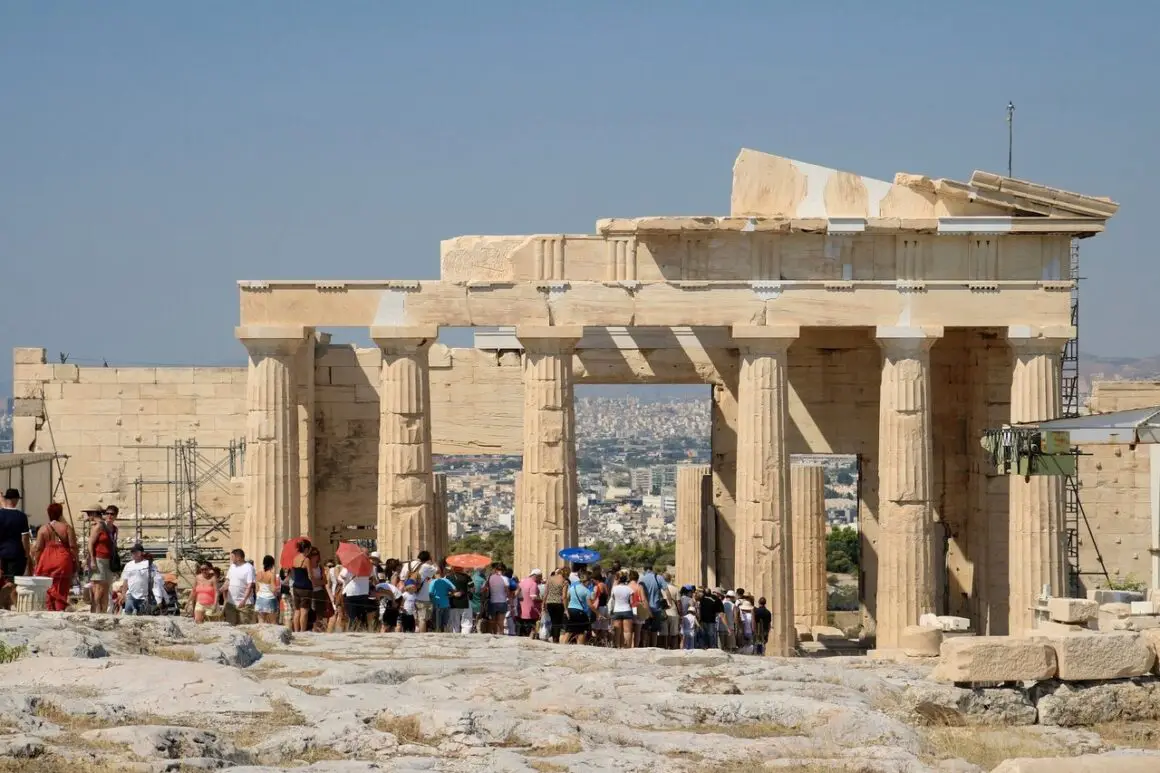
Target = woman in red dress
(56,557)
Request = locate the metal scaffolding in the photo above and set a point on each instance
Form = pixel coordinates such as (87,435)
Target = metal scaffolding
(184,526)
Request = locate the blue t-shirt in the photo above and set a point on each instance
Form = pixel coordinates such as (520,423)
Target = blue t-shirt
(440,589)
(653,583)
(578,597)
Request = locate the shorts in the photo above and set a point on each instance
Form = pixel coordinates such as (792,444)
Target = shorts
(266,606)
(356,607)
(103,570)
(652,623)
(11,568)
(495,609)
(205,609)
(390,617)
(406,622)
(623,616)
(423,610)
(303,598)
(671,625)
(578,621)
(320,602)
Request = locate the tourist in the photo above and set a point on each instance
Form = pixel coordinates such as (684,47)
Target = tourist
(268,588)
(601,624)
(460,620)
(479,600)
(301,587)
(421,570)
(745,627)
(355,595)
(106,560)
(439,590)
(498,593)
(726,623)
(579,612)
(56,557)
(138,578)
(762,623)
(689,629)
(651,584)
(623,613)
(707,610)
(334,583)
(554,602)
(671,620)
(389,597)
(239,606)
(321,608)
(531,605)
(640,608)
(205,593)
(15,546)
(410,607)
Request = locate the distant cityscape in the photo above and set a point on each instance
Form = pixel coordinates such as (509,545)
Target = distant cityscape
(6,427)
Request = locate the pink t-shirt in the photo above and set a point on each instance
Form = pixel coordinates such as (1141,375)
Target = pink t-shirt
(529,598)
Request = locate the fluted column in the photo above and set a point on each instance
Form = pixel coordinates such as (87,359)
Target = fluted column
(406,506)
(763,546)
(547,517)
(271,497)
(694,491)
(808,504)
(906,563)
(439,533)
(1035,526)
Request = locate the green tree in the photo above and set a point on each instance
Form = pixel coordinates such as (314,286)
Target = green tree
(845,478)
(499,545)
(843,548)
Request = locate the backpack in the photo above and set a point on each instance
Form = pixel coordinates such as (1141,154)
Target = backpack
(115,565)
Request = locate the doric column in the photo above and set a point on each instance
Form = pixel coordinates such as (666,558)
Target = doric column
(271,485)
(763,542)
(1035,513)
(406,507)
(694,491)
(439,541)
(808,504)
(906,564)
(547,518)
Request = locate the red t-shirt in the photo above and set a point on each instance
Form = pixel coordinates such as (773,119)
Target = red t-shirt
(103,548)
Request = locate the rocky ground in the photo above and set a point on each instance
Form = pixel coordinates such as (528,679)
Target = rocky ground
(123,694)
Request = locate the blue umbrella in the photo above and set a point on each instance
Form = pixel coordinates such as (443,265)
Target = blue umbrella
(579,555)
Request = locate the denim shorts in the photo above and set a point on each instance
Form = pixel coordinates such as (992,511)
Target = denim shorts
(494,609)
(266,606)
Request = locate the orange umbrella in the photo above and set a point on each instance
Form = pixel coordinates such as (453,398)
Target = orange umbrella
(289,552)
(468,561)
(354,559)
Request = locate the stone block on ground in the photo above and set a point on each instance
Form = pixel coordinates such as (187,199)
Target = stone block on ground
(1152,638)
(1137,623)
(1102,656)
(823,633)
(919,641)
(803,632)
(1064,610)
(1050,627)
(1142,608)
(994,659)
(1114,762)
(1083,704)
(1103,596)
(945,622)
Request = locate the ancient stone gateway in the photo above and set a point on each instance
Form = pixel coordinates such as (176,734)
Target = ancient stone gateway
(831,313)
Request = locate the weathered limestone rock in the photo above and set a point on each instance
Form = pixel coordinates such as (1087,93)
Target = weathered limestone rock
(764,542)
(1082,704)
(918,641)
(808,504)
(906,573)
(1050,627)
(694,495)
(945,622)
(272,499)
(994,659)
(406,507)
(1102,656)
(1152,638)
(1035,503)
(1120,762)
(1064,610)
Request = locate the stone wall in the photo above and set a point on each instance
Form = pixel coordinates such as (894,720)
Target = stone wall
(1116,492)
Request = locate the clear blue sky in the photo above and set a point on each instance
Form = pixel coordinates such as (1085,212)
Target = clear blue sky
(152,154)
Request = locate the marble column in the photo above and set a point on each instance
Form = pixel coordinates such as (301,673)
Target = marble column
(907,578)
(272,500)
(763,545)
(439,535)
(808,505)
(694,492)
(547,516)
(406,506)
(1035,512)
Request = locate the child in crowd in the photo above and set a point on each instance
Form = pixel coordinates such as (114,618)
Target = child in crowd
(407,615)
(689,626)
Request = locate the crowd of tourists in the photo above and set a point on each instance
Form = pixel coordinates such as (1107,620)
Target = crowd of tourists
(357,590)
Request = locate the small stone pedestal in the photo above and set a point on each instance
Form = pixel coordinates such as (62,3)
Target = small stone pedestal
(31,593)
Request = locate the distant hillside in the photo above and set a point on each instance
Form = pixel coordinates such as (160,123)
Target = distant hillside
(1092,367)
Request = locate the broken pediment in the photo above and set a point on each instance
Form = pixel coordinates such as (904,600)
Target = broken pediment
(765,185)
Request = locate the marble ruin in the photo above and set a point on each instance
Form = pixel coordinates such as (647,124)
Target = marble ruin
(830,313)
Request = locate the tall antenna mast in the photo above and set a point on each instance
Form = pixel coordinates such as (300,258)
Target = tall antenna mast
(1010,133)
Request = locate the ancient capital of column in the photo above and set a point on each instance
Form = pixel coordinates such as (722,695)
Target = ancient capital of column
(1036,530)
(763,541)
(808,504)
(907,579)
(547,517)
(406,518)
(271,487)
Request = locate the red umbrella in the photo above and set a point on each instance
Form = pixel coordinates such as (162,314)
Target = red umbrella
(354,559)
(289,552)
(468,561)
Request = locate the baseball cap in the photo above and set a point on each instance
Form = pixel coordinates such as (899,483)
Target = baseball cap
(730,595)
(137,548)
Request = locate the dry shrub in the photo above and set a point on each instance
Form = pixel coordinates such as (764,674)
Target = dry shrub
(310,689)
(987,748)
(547,767)
(175,653)
(406,728)
(750,731)
(571,746)
(1133,735)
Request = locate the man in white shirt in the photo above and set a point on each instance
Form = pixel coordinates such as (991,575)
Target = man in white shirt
(137,579)
(356,602)
(240,589)
(422,576)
